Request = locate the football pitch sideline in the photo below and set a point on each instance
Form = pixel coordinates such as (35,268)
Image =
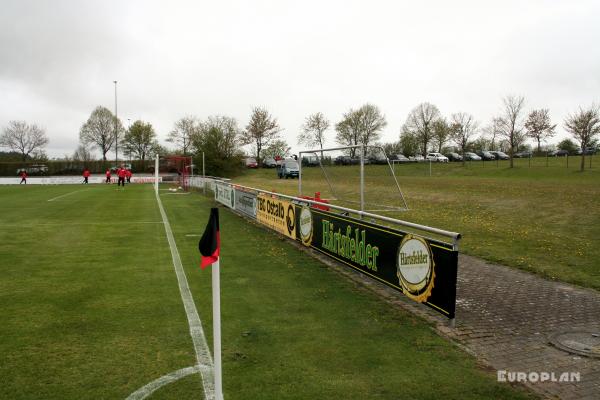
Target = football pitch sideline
(91,309)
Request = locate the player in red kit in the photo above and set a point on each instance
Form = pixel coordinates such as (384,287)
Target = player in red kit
(107,176)
(86,175)
(121,174)
(23,175)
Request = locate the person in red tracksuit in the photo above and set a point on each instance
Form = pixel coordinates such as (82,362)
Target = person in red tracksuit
(23,175)
(121,173)
(86,175)
(107,176)
(128,175)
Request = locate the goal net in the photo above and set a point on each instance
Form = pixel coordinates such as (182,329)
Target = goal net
(358,177)
(179,167)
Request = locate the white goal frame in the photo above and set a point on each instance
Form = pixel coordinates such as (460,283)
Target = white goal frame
(361,147)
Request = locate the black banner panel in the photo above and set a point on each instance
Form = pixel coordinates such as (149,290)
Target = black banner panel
(423,269)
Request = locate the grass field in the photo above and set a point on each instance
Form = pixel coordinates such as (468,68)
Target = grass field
(541,219)
(91,309)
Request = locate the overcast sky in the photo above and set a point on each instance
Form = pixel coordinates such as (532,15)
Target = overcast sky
(58,60)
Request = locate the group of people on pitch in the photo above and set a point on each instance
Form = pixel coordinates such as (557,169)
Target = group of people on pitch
(122,173)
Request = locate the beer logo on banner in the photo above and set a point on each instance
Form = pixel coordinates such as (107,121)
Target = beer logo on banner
(290,219)
(416,269)
(306,226)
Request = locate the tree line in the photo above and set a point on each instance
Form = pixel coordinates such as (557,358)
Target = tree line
(221,139)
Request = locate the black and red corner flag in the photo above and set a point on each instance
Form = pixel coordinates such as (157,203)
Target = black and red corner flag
(210,242)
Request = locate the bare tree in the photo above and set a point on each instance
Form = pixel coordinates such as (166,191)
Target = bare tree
(441,133)
(227,134)
(584,125)
(511,124)
(313,130)
(181,135)
(362,126)
(99,130)
(261,129)
(277,147)
(462,128)
(348,130)
(492,131)
(373,122)
(420,122)
(82,154)
(139,140)
(539,127)
(26,139)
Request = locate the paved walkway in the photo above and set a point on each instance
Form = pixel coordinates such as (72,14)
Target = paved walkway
(505,318)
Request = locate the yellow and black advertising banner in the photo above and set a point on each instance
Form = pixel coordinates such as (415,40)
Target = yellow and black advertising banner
(423,269)
(279,215)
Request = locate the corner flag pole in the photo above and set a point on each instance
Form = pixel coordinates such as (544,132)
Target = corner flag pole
(216,294)
(210,248)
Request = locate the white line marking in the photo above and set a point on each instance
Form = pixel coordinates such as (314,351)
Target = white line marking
(64,195)
(193,235)
(203,355)
(156,384)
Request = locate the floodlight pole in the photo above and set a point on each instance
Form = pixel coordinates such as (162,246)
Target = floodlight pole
(116,130)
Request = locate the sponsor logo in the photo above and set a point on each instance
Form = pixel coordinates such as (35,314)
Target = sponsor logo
(225,195)
(415,268)
(245,202)
(306,226)
(277,214)
(350,244)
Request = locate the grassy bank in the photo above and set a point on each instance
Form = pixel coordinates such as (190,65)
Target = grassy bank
(541,219)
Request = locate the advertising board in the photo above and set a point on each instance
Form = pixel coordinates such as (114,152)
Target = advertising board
(245,202)
(225,194)
(277,214)
(423,269)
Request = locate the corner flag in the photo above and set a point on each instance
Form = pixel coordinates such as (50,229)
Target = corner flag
(210,247)
(210,242)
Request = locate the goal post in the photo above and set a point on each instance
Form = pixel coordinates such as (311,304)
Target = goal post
(359,175)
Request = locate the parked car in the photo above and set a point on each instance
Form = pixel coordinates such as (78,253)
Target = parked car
(379,159)
(454,157)
(437,157)
(471,157)
(523,154)
(559,153)
(342,160)
(486,155)
(269,163)
(500,155)
(310,161)
(288,169)
(417,158)
(588,151)
(250,162)
(401,158)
